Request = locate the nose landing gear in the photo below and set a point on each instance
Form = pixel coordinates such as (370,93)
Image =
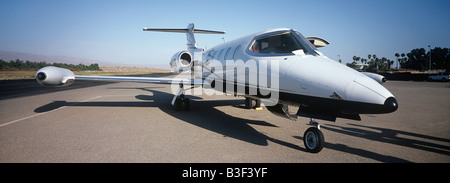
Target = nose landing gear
(313,138)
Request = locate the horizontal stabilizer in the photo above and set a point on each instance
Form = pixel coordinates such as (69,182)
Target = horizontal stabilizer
(199,31)
(208,31)
(190,31)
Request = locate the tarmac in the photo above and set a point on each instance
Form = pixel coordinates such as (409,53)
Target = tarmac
(93,121)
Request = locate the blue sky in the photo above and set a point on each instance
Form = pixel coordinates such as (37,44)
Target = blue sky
(111,30)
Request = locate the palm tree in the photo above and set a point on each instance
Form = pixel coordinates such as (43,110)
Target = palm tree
(403,60)
(397,55)
(384,63)
(375,61)
(363,61)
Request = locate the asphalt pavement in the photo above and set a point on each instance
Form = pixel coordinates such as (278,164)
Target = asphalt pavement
(94,121)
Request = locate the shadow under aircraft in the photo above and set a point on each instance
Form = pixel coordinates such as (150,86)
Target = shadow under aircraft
(219,122)
(211,118)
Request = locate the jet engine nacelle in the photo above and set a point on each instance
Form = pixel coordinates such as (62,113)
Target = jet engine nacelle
(378,78)
(55,76)
(181,61)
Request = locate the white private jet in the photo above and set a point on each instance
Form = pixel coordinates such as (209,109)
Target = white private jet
(279,66)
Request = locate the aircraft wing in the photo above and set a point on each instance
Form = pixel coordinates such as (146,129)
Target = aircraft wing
(141,79)
(55,76)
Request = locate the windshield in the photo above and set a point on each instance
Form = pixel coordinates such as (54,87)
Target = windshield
(308,45)
(276,44)
(281,43)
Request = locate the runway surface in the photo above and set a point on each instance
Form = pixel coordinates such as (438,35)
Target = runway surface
(135,122)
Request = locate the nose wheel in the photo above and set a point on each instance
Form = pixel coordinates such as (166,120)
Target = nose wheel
(313,138)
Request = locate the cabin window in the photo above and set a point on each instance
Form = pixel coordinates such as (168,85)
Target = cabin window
(226,54)
(236,50)
(218,55)
(212,54)
(280,43)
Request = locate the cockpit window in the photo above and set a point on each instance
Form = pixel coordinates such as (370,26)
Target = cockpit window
(308,43)
(276,44)
(281,44)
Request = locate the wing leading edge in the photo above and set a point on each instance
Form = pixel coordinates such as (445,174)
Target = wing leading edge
(142,79)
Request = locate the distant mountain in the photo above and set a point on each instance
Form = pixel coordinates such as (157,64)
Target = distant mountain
(8,56)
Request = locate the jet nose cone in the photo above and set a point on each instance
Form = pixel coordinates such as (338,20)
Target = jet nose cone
(391,104)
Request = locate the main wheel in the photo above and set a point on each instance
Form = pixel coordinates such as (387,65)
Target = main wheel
(248,103)
(178,104)
(313,140)
(187,104)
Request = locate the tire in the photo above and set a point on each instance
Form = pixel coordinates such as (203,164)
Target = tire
(187,104)
(313,140)
(248,103)
(178,104)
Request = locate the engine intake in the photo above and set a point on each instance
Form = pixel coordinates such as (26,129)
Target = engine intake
(181,61)
(54,76)
(378,78)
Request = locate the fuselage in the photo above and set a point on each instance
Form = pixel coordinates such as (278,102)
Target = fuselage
(304,75)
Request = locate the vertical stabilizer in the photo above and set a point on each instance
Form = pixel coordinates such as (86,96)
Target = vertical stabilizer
(191,44)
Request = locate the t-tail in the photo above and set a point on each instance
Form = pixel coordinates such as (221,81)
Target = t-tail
(190,30)
(184,60)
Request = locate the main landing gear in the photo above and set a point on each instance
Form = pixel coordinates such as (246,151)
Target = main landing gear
(179,102)
(182,103)
(249,103)
(313,138)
